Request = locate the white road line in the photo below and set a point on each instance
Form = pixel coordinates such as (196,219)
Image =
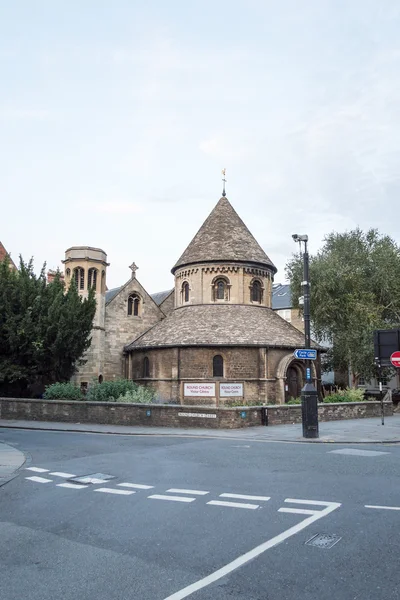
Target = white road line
(245,558)
(37,469)
(194,492)
(39,479)
(71,486)
(93,480)
(383,507)
(233,504)
(112,491)
(312,502)
(173,498)
(138,486)
(65,475)
(298,511)
(357,452)
(243,497)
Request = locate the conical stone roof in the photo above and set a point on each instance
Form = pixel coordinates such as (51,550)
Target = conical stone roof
(224,237)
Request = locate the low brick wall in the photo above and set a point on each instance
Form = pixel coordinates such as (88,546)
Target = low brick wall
(158,415)
(285,414)
(113,413)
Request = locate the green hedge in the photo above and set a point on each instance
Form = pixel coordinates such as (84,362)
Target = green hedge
(347,395)
(121,390)
(63,391)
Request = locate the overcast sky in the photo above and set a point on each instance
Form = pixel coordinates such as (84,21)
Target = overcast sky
(116,118)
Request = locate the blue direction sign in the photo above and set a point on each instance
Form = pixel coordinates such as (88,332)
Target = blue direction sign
(309,354)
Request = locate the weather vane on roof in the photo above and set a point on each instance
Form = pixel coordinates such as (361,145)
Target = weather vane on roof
(224,180)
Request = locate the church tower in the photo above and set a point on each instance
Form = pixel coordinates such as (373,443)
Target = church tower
(88,268)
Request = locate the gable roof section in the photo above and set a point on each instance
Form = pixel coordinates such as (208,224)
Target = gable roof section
(159,297)
(110,294)
(223,237)
(281,296)
(221,325)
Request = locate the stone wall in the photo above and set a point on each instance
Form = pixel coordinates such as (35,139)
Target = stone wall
(178,416)
(113,413)
(121,328)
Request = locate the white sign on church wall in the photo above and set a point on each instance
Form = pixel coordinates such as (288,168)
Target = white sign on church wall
(199,389)
(230,389)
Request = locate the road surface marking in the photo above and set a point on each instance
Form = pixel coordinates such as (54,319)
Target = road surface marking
(241,446)
(112,491)
(71,486)
(254,553)
(194,492)
(298,511)
(65,475)
(39,479)
(356,452)
(37,469)
(383,507)
(313,502)
(243,497)
(173,498)
(91,480)
(138,486)
(233,504)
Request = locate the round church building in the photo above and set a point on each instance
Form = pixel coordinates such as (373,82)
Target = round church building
(222,341)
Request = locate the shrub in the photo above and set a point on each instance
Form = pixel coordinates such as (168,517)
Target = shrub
(63,391)
(347,395)
(294,401)
(233,403)
(109,391)
(142,395)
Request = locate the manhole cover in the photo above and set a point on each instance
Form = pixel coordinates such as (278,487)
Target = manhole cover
(323,540)
(92,478)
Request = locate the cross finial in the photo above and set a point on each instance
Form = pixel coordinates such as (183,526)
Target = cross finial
(224,180)
(133,267)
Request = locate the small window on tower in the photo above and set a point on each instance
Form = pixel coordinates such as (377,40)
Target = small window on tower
(185,292)
(146,367)
(256,291)
(220,289)
(79,274)
(92,278)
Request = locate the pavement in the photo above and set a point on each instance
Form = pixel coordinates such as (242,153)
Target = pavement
(198,518)
(11,460)
(352,431)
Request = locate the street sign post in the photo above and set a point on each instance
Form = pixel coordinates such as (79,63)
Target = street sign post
(305,354)
(395,359)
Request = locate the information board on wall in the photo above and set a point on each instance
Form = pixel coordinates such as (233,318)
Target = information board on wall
(230,389)
(201,390)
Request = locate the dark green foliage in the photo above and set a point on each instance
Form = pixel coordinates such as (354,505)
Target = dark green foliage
(44,331)
(63,391)
(355,289)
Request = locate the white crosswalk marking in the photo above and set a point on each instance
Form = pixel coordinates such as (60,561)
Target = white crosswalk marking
(382,507)
(297,511)
(244,497)
(194,492)
(113,491)
(65,475)
(39,479)
(171,498)
(233,504)
(37,469)
(138,486)
(72,486)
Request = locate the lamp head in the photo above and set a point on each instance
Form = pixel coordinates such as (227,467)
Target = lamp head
(300,238)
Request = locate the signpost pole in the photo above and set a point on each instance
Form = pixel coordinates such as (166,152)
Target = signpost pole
(309,395)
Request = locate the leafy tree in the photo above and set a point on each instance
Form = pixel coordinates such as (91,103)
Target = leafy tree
(44,330)
(355,288)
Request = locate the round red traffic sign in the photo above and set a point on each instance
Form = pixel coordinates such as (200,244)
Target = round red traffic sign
(395,359)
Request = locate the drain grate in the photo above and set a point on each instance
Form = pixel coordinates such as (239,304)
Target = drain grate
(323,540)
(92,478)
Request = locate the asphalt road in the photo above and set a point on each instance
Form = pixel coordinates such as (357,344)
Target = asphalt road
(203,519)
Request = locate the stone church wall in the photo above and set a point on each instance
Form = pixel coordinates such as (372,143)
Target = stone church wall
(121,328)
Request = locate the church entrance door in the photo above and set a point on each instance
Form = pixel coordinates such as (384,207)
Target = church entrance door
(294,383)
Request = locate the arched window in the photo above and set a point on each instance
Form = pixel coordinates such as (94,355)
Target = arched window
(103,281)
(256,291)
(185,292)
(79,274)
(133,305)
(92,278)
(146,367)
(68,273)
(221,289)
(100,378)
(218,366)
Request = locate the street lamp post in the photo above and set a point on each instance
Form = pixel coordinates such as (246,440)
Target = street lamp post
(309,395)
